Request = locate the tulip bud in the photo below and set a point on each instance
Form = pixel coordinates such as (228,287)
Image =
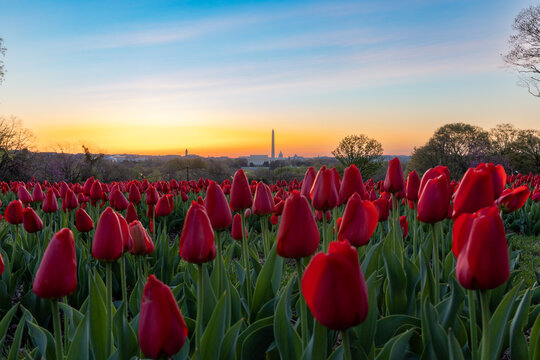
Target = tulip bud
(140,242)
(37,193)
(434,200)
(263,203)
(108,244)
(24,195)
(393,182)
(83,221)
(240,192)
(359,221)
(352,183)
(131,214)
(307,183)
(50,204)
(31,221)
(14,212)
(217,208)
(474,192)
(236,231)
(197,239)
(412,186)
(513,199)
(324,195)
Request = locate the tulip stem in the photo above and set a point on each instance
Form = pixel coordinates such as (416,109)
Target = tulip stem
(346,345)
(472,323)
(108,312)
(57,329)
(435,261)
(264,236)
(303,310)
(245,255)
(219,264)
(200,304)
(484,304)
(326,243)
(124,287)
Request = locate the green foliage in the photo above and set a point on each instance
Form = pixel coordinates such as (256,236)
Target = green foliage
(362,151)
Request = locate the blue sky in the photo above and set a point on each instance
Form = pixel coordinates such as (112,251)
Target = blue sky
(157,77)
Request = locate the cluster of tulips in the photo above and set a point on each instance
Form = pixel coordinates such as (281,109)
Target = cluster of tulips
(377,279)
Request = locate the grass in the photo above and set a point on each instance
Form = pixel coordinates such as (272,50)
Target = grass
(529,261)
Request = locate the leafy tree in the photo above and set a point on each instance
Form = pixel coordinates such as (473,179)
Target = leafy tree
(526,151)
(14,138)
(458,146)
(524,53)
(362,151)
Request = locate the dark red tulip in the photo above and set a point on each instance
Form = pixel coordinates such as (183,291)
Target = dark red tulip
(131,214)
(498,177)
(274,219)
(134,194)
(31,221)
(432,174)
(217,208)
(240,192)
(298,235)
(108,244)
(336,178)
(24,195)
(263,203)
(359,221)
(307,183)
(383,208)
(352,183)
(404,224)
(334,287)
(88,186)
(14,212)
(324,195)
(57,274)
(394,182)
(124,227)
(412,186)
(96,192)
(118,200)
(480,242)
(50,204)
(474,192)
(163,207)
(69,202)
(197,239)
(2,265)
(434,200)
(83,221)
(236,231)
(140,242)
(513,199)
(37,193)
(152,195)
(162,329)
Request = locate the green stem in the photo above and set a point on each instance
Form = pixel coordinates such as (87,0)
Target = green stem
(484,304)
(66,324)
(108,310)
(200,302)
(219,264)
(435,263)
(472,323)
(245,255)
(326,243)
(57,329)
(334,219)
(124,287)
(303,310)
(346,345)
(263,233)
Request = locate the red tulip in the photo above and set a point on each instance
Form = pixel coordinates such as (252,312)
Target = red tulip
(480,242)
(323,215)
(108,244)
(412,186)
(274,219)
(162,329)
(57,274)
(131,214)
(236,231)
(434,200)
(124,227)
(240,192)
(197,239)
(324,195)
(352,183)
(96,192)
(263,203)
(513,199)
(140,242)
(14,212)
(359,221)
(298,235)
(118,200)
(69,202)
(37,193)
(307,183)
(31,221)
(474,192)
(24,195)
(383,208)
(134,194)
(404,225)
(88,185)
(394,182)
(217,208)
(432,174)
(334,287)
(50,204)
(163,207)
(152,195)
(498,177)
(83,221)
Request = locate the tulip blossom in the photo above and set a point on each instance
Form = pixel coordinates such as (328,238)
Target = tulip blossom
(383,208)
(474,192)
(263,203)
(83,221)
(404,224)
(197,239)
(37,193)
(307,183)
(24,195)
(394,182)
(131,214)
(140,242)
(108,244)
(14,212)
(434,200)
(217,208)
(513,199)
(359,221)
(31,221)
(412,186)
(324,195)
(240,192)
(236,230)
(351,183)
(498,177)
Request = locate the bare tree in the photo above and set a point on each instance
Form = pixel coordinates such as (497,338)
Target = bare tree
(362,151)
(14,138)
(3,53)
(524,53)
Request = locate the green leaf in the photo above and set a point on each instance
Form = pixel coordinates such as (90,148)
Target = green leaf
(317,346)
(388,326)
(97,319)
(366,331)
(255,344)
(16,344)
(434,331)
(287,340)
(265,323)
(228,344)
(534,345)
(263,291)
(126,339)
(43,339)
(4,324)
(213,334)
(518,343)
(396,294)
(78,349)
(401,345)
(456,353)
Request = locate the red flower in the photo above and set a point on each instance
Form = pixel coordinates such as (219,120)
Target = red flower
(394,182)
(513,199)
(57,274)
(404,225)
(14,212)
(50,204)
(131,214)
(434,200)
(152,195)
(383,208)
(324,195)
(274,219)
(236,231)
(352,183)
(334,287)
(359,221)
(432,174)
(31,221)
(298,235)
(37,193)
(263,203)
(498,177)
(197,239)
(480,243)
(162,329)
(108,244)
(163,207)
(307,183)
(134,194)
(412,186)
(24,195)
(474,192)
(217,208)
(140,242)
(83,221)
(69,202)
(118,200)
(96,192)
(240,192)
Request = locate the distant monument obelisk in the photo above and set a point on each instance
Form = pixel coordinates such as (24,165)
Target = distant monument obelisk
(273,148)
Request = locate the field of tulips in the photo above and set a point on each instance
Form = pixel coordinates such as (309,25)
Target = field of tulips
(327,267)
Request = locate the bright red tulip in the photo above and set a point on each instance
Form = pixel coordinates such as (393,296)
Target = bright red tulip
(217,208)
(351,183)
(31,221)
(50,204)
(359,221)
(498,177)
(108,244)
(83,221)
(298,235)
(474,192)
(163,207)
(263,203)
(334,287)
(383,208)
(131,214)
(14,212)
(432,174)
(96,192)
(162,329)
(412,186)
(197,239)
(404,224)
(118,200)
(24,195)
(37,193)
(434,200)
(240,192)
(394,182)
(480,242)
(140,242)
(57,274)
(274,219)
(69,202)
(307,183)
(513,199)
(236,231)
(134,194)
(324,195)
(88,185)
(152,195)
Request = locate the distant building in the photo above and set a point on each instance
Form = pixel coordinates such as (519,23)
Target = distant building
(257,160)
(280,156)
(186,153)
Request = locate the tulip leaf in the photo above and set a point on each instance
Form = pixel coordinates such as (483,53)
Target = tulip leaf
(228,344)
(124,334)
(43,339)
(366,331)
(263,289)
(97,320)
(257,342)
(370,264)
(448,308)
(396,294)
(209,298)
(4,324)
(388,326)
(318,344)
(265,323)
(456,353)
(518,344)
(433,331)
(16,344)
(78,349)
(213,334)
(287,339)
(534,345)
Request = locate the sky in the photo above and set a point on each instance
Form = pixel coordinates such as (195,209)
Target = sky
(157,77)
